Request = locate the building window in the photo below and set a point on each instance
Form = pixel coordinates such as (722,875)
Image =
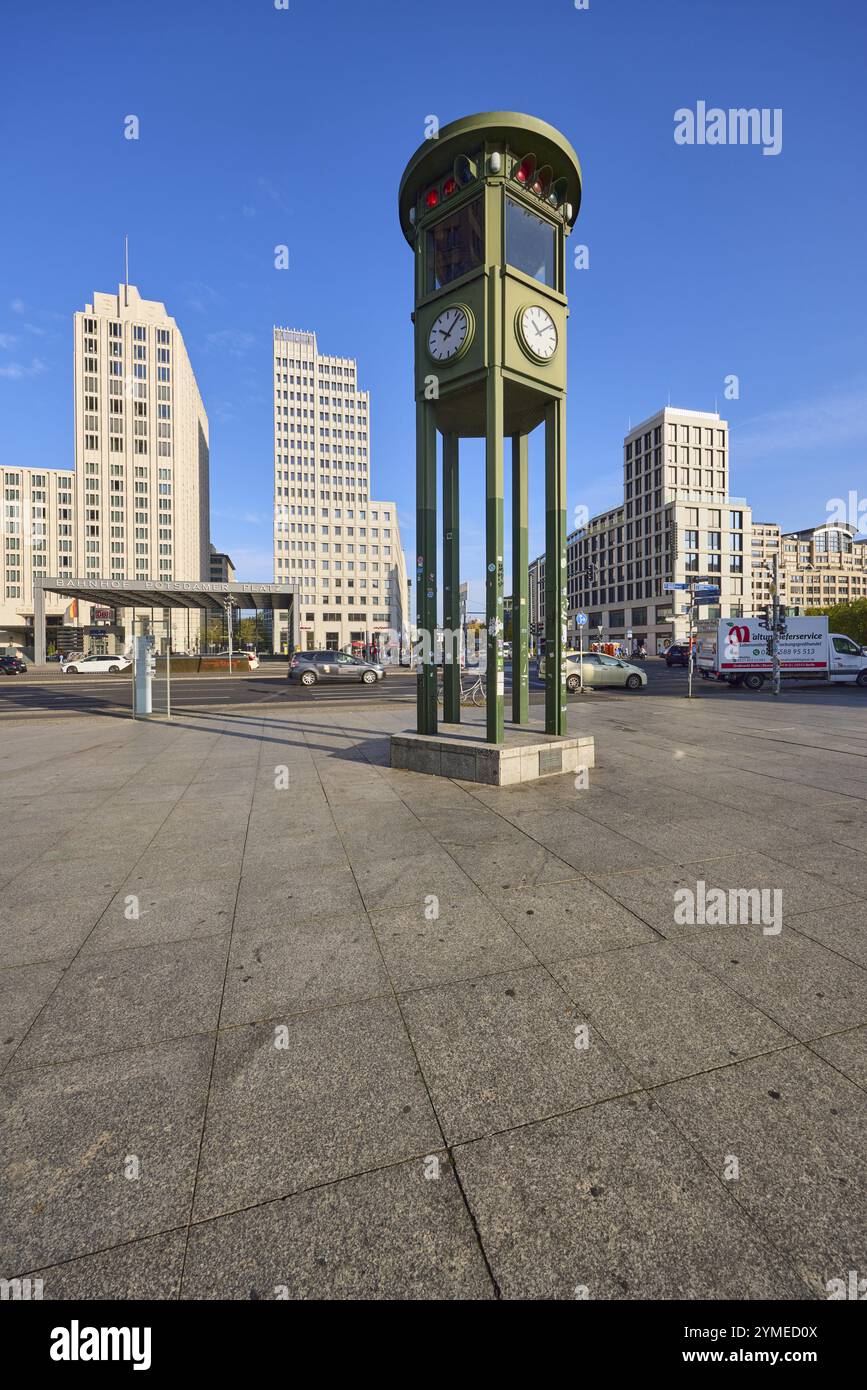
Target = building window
(530,243)
(454,246)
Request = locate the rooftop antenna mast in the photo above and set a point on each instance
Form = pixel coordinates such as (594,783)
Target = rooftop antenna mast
(126,271)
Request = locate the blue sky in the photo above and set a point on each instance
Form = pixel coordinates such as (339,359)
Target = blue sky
(262,126)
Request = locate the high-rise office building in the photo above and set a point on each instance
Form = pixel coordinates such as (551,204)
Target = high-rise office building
(816,568)
(39,539)
(677,522)
(331,538)
(141,445)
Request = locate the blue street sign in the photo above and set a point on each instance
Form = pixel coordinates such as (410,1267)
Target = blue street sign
(580,619)
(667,587)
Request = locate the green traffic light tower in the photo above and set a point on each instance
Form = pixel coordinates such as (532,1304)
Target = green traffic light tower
(487,206)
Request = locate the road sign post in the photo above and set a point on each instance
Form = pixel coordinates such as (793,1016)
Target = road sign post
(581,619)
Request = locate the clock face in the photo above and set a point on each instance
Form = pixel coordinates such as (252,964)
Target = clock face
(450,335)
(538,331)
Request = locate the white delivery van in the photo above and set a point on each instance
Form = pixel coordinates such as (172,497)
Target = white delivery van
(737,650)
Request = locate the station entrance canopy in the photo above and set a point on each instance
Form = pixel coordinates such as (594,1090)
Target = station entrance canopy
(191,594)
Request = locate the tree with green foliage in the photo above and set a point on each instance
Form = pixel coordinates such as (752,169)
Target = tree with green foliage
(848,618)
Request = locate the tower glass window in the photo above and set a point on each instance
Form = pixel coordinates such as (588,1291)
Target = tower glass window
(455,246)
(530,243)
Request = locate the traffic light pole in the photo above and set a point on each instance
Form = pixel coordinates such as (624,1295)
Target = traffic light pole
(775,629)
(555,567)
(520,581)
(691,660)
(426,540)
(451,582)
(494,554)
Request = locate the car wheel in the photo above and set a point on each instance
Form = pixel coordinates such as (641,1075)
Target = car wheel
(633,682)
(369,677)
(71,671)
(308,678)
(861,679)
(754,681)
(572,684)
(114,668)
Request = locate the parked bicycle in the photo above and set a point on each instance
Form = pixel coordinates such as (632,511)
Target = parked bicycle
(472,692)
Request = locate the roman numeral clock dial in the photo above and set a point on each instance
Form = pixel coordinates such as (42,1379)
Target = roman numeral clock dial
(537,332)
(451,333)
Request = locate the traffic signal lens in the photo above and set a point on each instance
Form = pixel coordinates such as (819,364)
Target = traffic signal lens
(557,195)
(432,197)
(542,181)
(449,187)
(526,169)
(465,169)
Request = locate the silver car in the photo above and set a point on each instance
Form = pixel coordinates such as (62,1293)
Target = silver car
(311,667)
(597,669)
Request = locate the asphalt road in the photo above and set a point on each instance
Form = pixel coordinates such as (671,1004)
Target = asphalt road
(34,695)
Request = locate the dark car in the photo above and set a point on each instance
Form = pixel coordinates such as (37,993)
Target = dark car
(12,666)
(311,667)
(677,655)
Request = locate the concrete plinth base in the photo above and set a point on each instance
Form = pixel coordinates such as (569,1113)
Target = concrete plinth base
(525,755)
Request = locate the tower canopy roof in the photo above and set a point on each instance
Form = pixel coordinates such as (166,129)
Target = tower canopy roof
(521,134)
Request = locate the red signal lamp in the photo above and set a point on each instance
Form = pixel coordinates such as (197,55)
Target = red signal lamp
(526,169)
(542,181)
(432,197)
(449,187)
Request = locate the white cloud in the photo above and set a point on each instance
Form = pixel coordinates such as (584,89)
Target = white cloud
(15,371)
(7,340)
(245,518)
(201,297)
(274,193)
(231,341)
(829,421)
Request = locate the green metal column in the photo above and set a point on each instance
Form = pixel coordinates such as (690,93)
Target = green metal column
(520,581)
(555,566)
(494,551)
(451,582)
(426,563)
